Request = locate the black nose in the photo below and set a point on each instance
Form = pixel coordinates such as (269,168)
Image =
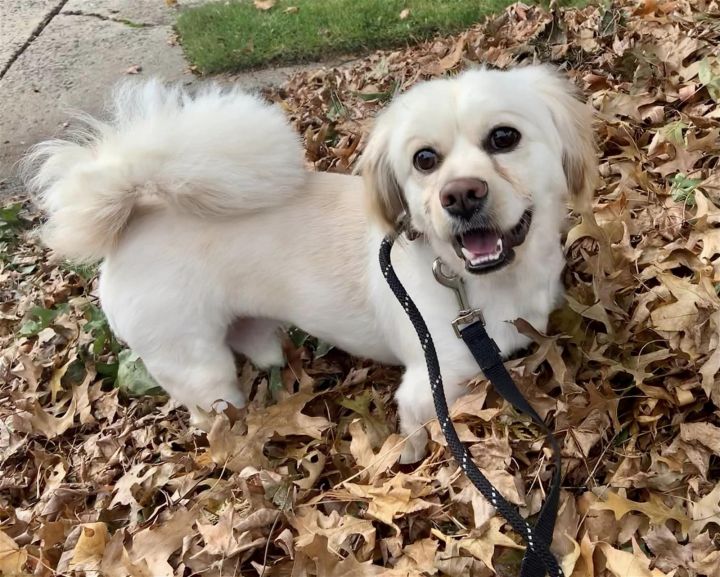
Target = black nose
(463,197)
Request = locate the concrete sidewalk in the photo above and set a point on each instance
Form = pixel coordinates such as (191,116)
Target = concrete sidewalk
(57,55)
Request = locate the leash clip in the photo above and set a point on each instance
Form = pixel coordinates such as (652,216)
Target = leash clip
(467,315)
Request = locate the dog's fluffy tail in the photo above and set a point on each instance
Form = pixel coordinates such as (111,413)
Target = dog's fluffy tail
(213,154)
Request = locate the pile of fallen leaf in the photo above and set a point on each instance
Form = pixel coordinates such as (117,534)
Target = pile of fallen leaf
(98,478)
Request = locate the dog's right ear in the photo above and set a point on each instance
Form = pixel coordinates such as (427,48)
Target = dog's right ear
(385,197)
(573,119)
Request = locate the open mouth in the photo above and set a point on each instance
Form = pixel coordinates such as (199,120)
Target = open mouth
(488,249)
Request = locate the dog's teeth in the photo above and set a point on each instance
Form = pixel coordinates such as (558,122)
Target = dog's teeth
(485,257)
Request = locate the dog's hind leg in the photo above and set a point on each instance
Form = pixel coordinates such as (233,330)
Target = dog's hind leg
(197,372)
(259,340)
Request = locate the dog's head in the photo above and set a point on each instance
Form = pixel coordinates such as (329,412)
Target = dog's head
(478,160)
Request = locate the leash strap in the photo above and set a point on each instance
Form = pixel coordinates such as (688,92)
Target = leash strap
(538,560)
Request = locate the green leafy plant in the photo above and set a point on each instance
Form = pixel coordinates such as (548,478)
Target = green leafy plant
(683,189)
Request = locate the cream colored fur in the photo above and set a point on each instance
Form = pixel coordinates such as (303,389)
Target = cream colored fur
(213,236)
(203,155)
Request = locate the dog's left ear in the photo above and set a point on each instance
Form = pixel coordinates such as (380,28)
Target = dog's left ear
(383,192)
(573,119)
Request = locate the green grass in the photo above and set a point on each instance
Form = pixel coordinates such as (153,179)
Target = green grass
(230,36)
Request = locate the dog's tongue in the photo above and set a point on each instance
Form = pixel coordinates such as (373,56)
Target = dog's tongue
(480,243)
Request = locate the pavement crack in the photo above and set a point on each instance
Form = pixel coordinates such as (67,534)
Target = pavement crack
(103,17)
(35,33)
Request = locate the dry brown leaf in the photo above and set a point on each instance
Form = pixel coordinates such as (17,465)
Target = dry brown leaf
(418,556)
(58,374)
(50,426)
(585,566)
(624,564)
(705,511)
(373,463)
(483,547)
(654,509)
(90,548)
(219,537)
(12,557)
(389,500)
(155,544)
(334,528)
(669,554)
(704,433)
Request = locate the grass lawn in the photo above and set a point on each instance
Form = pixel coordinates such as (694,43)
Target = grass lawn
(226,36)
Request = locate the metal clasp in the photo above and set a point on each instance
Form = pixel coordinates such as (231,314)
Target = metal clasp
(466,316)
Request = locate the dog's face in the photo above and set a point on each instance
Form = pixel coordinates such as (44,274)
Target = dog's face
(479,160)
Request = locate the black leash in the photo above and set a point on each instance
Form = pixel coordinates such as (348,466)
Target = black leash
(469,325)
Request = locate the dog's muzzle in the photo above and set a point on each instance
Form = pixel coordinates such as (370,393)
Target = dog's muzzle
(486,249)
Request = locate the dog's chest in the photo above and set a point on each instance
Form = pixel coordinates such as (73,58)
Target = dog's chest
(530,292)
(532,302)
(527,292)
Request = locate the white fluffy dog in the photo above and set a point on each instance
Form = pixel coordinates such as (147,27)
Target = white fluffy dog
(213,236)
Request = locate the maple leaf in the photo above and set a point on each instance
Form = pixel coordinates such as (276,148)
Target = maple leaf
(236,449)
(336,530)
(375,423)
(707,213)
(155,544)
(706,510)
(622,564)
(654,509)
(548,350)
(418,556)
(483,546)
(316,546)
(286,418)
(50,426)
(116,560)
(389,500)
(669,553)
(12,557)
(219,537)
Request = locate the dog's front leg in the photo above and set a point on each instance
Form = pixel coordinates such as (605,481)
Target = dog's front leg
(416,409)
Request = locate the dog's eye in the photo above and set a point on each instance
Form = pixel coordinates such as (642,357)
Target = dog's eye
(426,160)
(503,139)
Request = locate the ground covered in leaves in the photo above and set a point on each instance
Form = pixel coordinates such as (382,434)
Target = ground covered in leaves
(95,481)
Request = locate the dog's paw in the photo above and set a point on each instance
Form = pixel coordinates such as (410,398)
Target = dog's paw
(415,447)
